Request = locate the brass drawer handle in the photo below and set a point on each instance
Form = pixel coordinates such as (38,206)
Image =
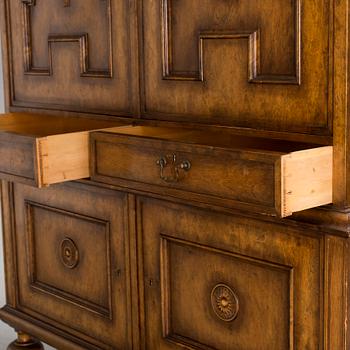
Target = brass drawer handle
(170,160)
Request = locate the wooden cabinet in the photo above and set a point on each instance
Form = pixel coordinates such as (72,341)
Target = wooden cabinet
(175,174)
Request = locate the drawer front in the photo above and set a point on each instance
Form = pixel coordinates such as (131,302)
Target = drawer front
(235,177)
(43,161)
(71,261)
(17,154)
(42,150)
(219,282)
(237,174)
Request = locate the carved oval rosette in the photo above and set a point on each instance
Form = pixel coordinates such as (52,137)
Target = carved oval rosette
(69,253)
(224,302)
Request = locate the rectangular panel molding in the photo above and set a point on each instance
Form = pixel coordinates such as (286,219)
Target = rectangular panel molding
(81,39)
(64,54)
(223,301)
(67,255)
(253,38)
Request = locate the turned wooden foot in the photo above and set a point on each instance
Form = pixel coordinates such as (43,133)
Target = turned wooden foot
(25,341)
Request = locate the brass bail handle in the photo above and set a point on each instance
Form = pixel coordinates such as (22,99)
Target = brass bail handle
(163,162)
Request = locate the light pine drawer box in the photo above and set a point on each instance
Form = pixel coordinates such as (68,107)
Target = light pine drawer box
(42,150)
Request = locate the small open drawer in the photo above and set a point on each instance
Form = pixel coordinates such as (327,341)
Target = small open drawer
(261,175)
(42,150)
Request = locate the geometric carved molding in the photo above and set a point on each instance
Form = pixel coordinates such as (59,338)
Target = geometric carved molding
(82,39)
(254,47)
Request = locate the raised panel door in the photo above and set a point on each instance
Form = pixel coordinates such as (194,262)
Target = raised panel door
(255,64)
(72,55)
(72,262)
(214,281)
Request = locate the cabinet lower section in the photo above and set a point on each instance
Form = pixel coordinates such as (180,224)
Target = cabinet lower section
(91,268)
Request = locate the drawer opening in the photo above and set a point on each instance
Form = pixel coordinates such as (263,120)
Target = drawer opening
(273,177)
(42,150)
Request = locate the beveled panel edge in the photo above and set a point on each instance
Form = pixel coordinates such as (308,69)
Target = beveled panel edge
(254,45)
(70,298)
(53,291)
(81,39)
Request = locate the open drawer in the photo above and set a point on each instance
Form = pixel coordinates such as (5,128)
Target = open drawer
(261,175)
(42,150)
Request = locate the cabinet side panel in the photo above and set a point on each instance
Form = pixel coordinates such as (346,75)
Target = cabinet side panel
(336,287)
(9,243)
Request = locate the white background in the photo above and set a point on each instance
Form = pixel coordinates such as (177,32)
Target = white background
(7,334)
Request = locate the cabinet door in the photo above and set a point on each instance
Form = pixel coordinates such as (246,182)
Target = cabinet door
(256,64)
(72,55)
(71,259)
(214,281)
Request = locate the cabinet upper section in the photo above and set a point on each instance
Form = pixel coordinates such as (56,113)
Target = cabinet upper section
(255,64)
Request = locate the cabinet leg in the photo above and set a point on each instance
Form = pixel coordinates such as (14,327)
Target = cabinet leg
(25,341)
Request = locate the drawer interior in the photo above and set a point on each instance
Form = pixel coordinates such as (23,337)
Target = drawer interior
(216,139)
(287,176)
(43,150)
